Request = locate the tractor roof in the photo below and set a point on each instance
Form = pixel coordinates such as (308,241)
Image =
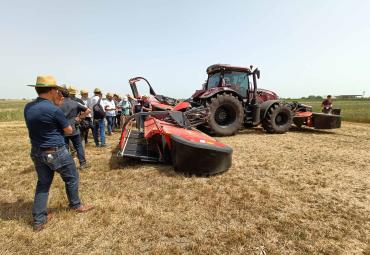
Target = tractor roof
(218,67)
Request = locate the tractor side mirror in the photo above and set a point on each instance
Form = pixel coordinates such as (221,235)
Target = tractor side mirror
(258,73)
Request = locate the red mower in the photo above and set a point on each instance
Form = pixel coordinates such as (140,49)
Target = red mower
(168,137)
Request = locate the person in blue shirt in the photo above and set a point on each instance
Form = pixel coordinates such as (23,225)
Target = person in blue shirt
(47,125)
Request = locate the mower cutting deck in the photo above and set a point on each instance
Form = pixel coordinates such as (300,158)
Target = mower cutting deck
(169,138)
(136,146)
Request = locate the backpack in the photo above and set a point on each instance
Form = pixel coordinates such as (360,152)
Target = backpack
(98,111)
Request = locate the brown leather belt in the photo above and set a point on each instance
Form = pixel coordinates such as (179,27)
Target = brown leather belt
(52,149)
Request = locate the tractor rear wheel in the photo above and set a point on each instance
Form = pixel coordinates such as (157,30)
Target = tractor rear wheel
(278,119)
(226,114)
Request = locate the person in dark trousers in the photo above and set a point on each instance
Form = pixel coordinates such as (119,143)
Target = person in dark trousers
(146,106)
(87,123)
(47,125)
(75,112)
(125,107)
(99,124)
(327,105)
(117,100)
(110,109)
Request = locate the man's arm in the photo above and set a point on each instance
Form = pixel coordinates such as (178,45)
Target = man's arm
(84,111)
(82,115)
(68,130)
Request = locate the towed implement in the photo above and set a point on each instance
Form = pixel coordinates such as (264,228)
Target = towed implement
(303,116)
(168,137)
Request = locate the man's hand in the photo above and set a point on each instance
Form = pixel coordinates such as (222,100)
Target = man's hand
(78,119)
(68,130)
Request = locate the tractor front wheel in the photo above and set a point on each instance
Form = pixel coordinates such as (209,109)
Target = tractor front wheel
(225,114)
(278,119)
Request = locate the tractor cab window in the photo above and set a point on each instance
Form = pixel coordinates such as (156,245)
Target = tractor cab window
(214,80)
(237,81)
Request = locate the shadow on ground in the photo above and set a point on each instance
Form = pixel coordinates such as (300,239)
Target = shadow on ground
(18,210)
(28,169)
(312,131)
(121,163)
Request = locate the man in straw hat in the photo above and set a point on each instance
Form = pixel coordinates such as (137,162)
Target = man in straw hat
(47,126)
(98,122)
(72,94)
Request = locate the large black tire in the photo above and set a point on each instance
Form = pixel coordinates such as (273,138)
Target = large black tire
(226,114)
(278,119)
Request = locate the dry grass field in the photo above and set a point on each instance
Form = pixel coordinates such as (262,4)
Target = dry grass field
(299,193)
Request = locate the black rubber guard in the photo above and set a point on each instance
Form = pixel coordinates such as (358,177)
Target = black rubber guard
(199,159)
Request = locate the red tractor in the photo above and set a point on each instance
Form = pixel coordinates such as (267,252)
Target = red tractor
(232,98)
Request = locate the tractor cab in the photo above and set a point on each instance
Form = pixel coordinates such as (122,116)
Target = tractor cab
(241,81)
(235,78)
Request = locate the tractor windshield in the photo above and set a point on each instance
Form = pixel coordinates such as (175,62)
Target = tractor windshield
(238,81)
(214,80)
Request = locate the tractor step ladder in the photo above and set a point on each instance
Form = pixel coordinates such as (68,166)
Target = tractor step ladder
(248,116)
(138,147)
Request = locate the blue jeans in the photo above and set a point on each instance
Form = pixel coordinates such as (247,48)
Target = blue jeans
(77,144)
(46,165)
(110,122)
(99,127)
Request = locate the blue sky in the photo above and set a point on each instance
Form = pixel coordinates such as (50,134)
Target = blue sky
(301,47)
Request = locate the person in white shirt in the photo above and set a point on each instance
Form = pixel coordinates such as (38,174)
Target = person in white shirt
(110,109)
(99,124)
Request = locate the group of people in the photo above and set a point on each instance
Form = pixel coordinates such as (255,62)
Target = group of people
(80,115)
(58,119)
(113,111)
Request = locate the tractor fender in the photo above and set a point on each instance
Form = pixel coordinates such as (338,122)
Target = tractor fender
(265,106)
(219,90)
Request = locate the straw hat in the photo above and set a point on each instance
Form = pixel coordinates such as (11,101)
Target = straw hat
(72,90)
(97,90)
(83,91)
(45,81)
(109,95)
